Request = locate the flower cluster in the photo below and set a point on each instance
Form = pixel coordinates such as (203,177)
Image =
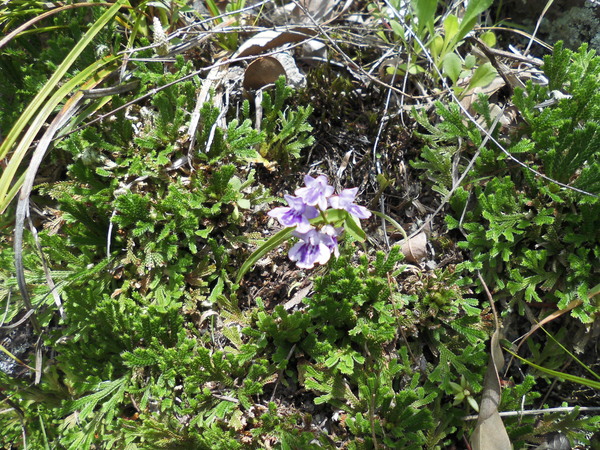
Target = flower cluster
(318,239)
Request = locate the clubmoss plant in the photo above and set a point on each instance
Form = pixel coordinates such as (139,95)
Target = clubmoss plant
(537,242)
(287,130)
(336,347)
(153,331)
(135,241)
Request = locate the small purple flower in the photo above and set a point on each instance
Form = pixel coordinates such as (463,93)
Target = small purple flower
(346,201)
(297,214)
(329,236)
(316,191)
(311,250)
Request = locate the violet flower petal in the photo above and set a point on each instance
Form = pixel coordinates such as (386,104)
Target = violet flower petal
(306,255)
(358,211)
(316,192)
(297,214)
(328,236)
(313,249)
(345,200)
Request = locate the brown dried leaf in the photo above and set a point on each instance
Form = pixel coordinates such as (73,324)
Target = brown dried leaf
(261,72)
(271,39)
(415,248)
(471,95)
(555,441)
(308,12)
(295,78)
(298,297)
(490,433)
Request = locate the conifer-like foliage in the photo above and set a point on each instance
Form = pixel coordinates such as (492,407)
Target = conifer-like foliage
(336,349)
(538,241)
(141,222)
(138,244)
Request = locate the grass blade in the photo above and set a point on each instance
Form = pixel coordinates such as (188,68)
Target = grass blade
(269,245)
(561,375)
(46,107)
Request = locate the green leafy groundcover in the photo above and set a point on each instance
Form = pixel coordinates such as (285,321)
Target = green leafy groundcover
(537,241)
(154,349)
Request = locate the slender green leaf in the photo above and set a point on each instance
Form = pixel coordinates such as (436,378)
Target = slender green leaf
(7,186)
(392,221)
(425,11)
(352,227)
(468,21)
(571,354)
(561,375)
(273,242)
(45,107)
(335,217)
(450,29)
(10,355)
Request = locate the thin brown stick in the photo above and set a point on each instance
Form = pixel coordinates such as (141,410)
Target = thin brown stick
(491,300)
